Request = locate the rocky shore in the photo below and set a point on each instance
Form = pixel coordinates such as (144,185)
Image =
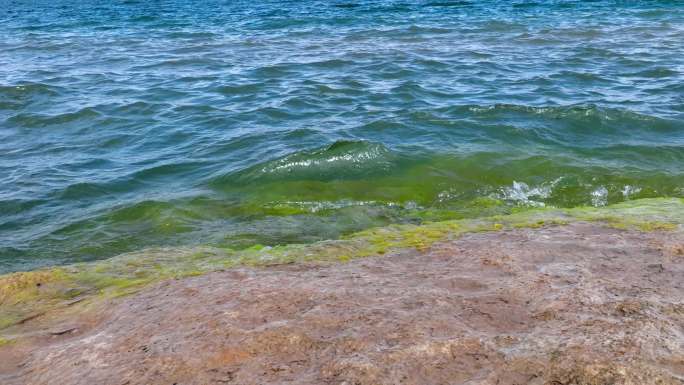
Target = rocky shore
(577,303)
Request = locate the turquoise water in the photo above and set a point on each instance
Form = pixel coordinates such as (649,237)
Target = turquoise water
(134,124)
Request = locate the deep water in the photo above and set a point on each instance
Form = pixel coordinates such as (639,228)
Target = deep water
(134,124)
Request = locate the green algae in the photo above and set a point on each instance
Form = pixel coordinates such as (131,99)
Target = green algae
(26,286)
(657,226)
(9,319)
(26,293)
(284,210)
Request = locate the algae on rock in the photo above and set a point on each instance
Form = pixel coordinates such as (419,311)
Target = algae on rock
(24,294)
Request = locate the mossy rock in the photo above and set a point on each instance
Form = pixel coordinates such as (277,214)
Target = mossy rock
(26,292)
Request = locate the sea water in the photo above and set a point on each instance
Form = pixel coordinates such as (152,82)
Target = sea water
(128,124)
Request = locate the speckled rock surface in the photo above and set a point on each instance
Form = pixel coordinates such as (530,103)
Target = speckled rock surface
(575,304)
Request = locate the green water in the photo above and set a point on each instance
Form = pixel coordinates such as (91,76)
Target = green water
(129,125)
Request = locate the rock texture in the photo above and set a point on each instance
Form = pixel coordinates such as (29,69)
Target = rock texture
(575,304)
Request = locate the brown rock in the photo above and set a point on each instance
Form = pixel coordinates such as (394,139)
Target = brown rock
(578,304)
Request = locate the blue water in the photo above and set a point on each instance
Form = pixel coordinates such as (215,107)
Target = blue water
(134,124)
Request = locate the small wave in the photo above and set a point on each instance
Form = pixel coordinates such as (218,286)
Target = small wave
(330,64)
(558,112)
(590,119)
(580,77)
(204,35)
(165,170)
(522,193)
(17,206)
(35,120)
(628,191)
(657,72)
(571,191)
(28,89)
(599,197)
(178,63)
(342,159)
(526,4)
(239,89)
(81,190)
(346,5)
(143,18)
(449,4)
(319,206)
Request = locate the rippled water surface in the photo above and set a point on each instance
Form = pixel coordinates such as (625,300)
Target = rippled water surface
(133,124)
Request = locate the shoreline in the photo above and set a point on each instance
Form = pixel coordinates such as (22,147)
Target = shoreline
(586,275)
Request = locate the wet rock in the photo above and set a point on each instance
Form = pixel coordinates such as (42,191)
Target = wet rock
(574,305)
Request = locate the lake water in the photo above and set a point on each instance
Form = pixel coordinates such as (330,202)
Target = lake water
(134,124)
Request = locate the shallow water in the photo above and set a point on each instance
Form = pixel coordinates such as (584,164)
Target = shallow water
(132,124)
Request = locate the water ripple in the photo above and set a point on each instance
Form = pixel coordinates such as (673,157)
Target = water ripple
(131,124)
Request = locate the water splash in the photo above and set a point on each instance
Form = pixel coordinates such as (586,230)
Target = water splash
(521,193)
(599,197)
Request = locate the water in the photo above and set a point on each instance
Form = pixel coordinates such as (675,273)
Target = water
(134,124)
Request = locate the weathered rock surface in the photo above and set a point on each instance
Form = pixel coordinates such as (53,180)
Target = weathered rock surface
(575,304)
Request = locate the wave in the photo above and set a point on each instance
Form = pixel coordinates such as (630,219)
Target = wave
(449,4)
(578,126)
(589,190)
(318,194)
(28,89)
(340,160)
(37,120)
(579,112)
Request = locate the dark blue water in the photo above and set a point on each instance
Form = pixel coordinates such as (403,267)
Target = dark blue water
(132,124)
